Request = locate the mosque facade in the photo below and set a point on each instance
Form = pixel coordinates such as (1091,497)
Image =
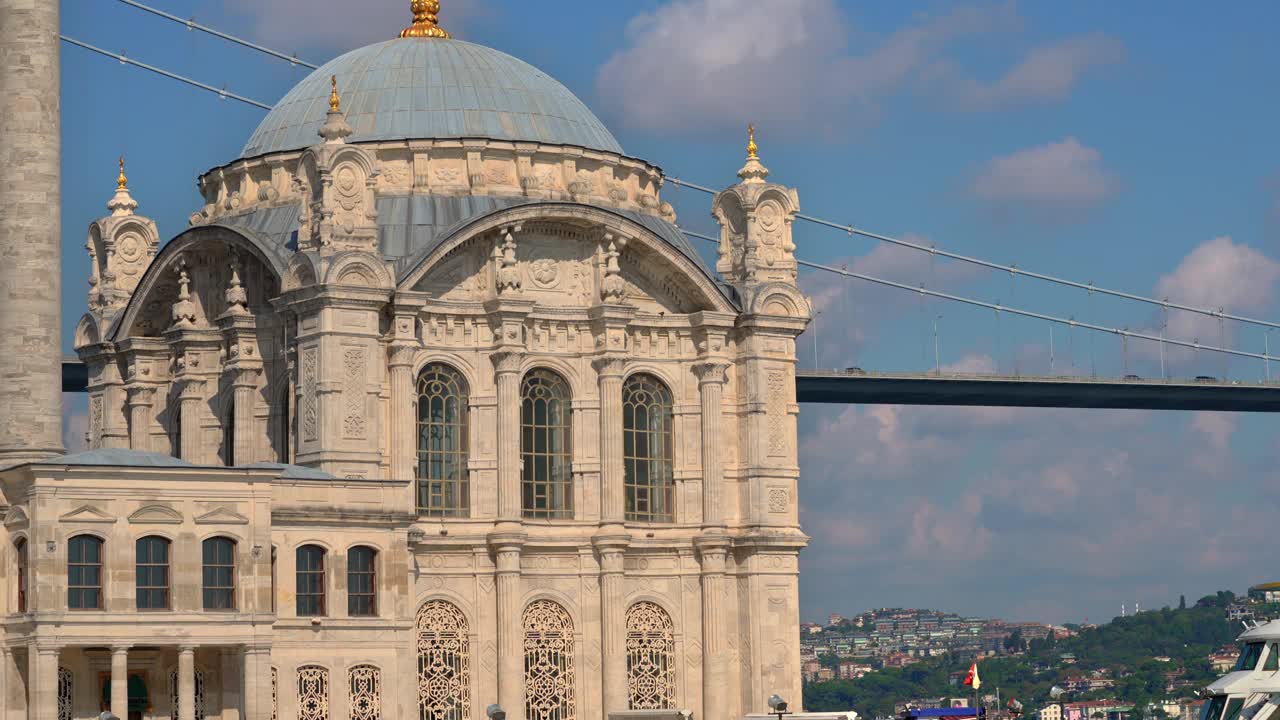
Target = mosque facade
(432,407)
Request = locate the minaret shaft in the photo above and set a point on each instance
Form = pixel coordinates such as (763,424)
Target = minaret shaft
(30,233)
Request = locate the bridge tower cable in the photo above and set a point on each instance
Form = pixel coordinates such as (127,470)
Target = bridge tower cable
(191,24)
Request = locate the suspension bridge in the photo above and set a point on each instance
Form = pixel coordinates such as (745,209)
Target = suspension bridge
(939,385)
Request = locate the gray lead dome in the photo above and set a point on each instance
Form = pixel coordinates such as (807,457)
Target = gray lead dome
(414,89)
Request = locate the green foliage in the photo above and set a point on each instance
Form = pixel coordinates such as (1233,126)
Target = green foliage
(1125,646)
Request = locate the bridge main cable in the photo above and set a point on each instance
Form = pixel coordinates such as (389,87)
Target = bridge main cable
(193,25)
(1013,269)
(1012,310)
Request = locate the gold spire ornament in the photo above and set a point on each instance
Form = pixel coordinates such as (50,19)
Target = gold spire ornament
(335,102)
(426,13)
(753,150)
(122,182)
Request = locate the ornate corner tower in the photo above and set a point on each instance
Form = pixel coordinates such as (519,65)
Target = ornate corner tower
(757,255)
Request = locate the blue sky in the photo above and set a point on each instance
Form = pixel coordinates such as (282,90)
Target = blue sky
(1127,145)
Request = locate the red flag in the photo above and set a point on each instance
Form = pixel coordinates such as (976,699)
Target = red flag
(972,679)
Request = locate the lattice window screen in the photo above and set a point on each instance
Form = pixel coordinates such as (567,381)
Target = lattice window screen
(444,663)
(548,662)
(313,693)
(66,691)
(365,682)
(651,663)
(173,694)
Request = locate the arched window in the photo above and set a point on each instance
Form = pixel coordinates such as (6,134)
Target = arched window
(219,573)
(313,693)
(651,658)
(647,450)
(548,662)
(365,700)
(151,555)
(84,573)
(444,668)
(442,442)
(362,582)
(545,446)
(310,581)
(229,435)
(20,549)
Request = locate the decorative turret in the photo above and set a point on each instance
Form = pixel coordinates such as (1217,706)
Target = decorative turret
(121,247)
(335,130)
(755,219)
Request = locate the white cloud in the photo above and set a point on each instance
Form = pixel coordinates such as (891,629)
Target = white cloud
(1220,273)
(1062,175)
(336,24)
(705,63)
(1047,74)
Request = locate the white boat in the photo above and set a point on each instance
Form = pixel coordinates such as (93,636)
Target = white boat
(1251,691)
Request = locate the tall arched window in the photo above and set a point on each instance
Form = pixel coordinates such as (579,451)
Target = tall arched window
(362,582)
(84,573)
(151,555)
(20,550)
(365,700)
(548,662)
(310,581)
(219,573)
(651,658)
(313,693)
(545,446)
(229,435)
(647,450)
(442,442)
(444,667)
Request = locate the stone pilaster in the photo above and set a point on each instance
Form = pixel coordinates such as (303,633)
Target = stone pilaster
(403,423)
(612,551)
(190,394)
(506,549)
(186,683)
(42,679)
(232,679)
(609,371)
(711,379)
(30,233)
(141,410)
(244,366)
(120,681)
(507,318)
(257,683)
(715,680)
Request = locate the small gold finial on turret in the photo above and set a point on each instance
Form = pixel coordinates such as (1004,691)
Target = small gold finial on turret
(122,182)
(753,150)
(335,102)
(426,13)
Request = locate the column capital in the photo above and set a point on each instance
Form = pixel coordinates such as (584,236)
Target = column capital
(610,366)
(507,541)
(244,375)
(401,354)
(507,362)
(120,649)
(712,371)
(187,649)
(141,395)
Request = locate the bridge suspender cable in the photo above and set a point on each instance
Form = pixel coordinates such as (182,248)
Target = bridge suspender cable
(221,92)
(193,25)
(1012,311)
(1012,269)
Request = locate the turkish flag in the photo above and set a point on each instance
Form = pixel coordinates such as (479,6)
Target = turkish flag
(972,679)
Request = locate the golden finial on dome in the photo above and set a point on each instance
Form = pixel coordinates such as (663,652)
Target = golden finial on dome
(753,150)
(122,182)
(426,13)
(335,102)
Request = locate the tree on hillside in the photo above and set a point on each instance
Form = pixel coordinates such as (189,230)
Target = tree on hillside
(1182,602)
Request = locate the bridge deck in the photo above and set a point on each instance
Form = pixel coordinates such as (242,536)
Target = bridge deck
(857,387)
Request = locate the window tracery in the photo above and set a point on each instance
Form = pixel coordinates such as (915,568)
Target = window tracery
(545,446)
(313,693)
(651,662)
(647,449)
(366,693)
(548,662)
(199,693)
(66,691)
(442,442)
(444,662)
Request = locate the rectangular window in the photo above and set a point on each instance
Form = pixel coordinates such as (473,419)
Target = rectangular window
(22,575)
(362,589)
(310,581)
(84,573)
(152,573)
(219,579)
